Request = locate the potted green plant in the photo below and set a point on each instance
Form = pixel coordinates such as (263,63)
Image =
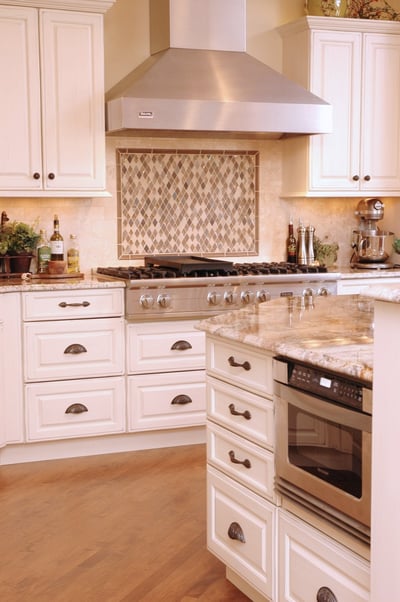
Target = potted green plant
(21,240)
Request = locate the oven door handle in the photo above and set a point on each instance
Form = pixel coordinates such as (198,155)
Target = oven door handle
(324,408)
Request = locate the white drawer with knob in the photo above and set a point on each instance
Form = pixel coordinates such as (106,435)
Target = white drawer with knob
(164,346)
(75,408)
(244,413)
(73,349)
(166,400)
(239,365)
(241,530)
(71,304)
(244,461)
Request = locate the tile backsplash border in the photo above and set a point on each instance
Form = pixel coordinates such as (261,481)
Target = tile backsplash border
(187,201)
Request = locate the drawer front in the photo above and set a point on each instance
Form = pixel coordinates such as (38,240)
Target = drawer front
(167,400)
(164,346)
(247,463)
(69,304)
(241,531)
(75,408)
(242,412)
(73,349)
(240,366)
(310,562)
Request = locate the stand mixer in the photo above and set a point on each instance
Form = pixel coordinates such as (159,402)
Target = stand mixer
(371,246)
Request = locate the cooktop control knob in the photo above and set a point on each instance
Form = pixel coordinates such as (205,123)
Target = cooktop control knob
(323,292)
(213,298)
(246,297)
(164,300)
(146,301)
(229,297)
(262,296)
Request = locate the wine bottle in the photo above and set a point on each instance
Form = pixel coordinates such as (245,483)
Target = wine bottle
(56,242)
(73,255)
(43,253)
(291,245)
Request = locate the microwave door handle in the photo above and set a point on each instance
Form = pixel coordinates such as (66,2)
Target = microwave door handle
(326,409)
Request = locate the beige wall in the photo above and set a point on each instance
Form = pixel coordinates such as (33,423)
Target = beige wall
(95,220)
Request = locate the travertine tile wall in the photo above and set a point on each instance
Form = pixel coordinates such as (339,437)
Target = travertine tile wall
(97,224)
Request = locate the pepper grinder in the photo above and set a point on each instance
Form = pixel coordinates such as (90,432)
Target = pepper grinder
(310,244)
(301,245)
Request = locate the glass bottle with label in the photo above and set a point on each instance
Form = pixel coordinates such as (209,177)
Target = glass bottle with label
(57,242)
(43,253)
(73,255)
(291,245)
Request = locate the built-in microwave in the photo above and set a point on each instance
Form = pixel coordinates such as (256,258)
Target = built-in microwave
(323,443)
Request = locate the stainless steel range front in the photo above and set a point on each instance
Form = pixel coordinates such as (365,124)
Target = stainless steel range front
(190,286)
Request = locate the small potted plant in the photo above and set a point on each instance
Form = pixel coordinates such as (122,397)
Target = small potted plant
(21,240)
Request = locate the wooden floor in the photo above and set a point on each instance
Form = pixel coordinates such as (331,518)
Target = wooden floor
(116,528)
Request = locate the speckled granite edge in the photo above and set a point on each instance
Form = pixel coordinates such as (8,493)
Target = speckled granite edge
(18,285)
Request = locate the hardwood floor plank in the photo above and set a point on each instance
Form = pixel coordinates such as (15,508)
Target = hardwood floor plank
(127,527)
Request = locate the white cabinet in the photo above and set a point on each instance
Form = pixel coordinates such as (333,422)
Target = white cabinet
(51,105)
(11,392)
(74,363)
(313,566)
(356,286)
(166,376)
(355,66)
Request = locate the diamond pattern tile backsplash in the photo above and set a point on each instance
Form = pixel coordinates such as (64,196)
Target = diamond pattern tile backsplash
(192,202)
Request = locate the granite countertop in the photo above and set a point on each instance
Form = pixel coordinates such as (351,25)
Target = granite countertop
(331,332)
(90,280)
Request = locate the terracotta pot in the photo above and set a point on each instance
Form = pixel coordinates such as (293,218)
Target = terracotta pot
(20,263)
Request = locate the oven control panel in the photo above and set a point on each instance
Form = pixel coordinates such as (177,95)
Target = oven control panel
(324,384)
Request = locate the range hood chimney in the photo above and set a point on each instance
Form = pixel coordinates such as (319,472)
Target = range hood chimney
(199,80)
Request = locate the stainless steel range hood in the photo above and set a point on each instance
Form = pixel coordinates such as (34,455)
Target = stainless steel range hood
(202,82)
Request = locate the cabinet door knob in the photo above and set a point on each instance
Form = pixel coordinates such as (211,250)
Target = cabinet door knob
(76,408)
(235,531)
(51,176)
(356,178)
(181,346)
(246,463)
(75,348)
(367,178)
(36,176)
(181,400)
(325,594)
(235,364)
(246,414)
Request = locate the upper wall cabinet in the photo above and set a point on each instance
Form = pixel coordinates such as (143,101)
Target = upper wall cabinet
(51,103)
(355,65)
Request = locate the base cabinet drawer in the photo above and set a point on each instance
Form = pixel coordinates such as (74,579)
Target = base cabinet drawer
(75,408)
(247,463)
(73,349)
(239,365)
(70,304)
(241,531)
(242,412)
(315,567)
(165,346)
(166,400)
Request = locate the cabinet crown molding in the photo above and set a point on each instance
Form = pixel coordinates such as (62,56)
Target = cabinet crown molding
(340,24)
(92,6)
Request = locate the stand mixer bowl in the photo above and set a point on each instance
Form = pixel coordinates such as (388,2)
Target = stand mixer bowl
(373,247)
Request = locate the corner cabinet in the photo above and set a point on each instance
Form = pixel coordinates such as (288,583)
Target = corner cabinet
(354,64)
(52,102)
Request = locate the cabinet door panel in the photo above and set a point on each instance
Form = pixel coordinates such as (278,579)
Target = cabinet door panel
(73,112)
(20,146)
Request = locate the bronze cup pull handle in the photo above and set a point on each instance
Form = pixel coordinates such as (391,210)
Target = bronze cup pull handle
(246,414)
(235,364)
(246,463)
(235,531)
(75,348)
(181,400)
(325,594)
(181,346)
(76,408)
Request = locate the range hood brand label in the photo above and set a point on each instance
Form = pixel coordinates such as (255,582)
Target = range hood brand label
(146,115)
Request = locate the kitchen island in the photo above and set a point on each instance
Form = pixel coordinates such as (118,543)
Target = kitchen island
(352,335)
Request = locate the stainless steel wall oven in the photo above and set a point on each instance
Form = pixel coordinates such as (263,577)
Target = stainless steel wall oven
(323,435)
